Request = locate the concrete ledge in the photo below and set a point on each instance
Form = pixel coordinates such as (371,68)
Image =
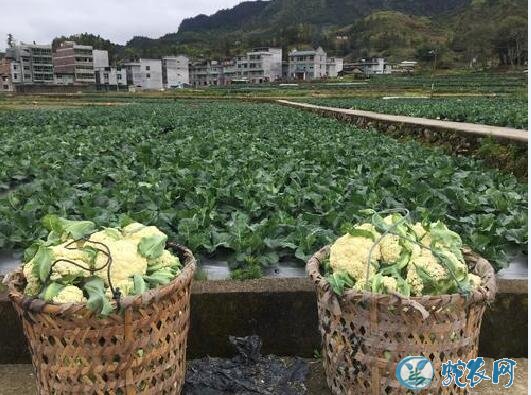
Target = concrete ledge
(284,313)
(464,128)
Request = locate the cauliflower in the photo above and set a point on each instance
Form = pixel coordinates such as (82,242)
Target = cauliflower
(390,284)
(419,230)
(33,286)
(390,248)
(136,231)
(430,265)
(414,281)
(475,281)
(126,261)
(106,235)
(66,269)
(167,259)
(69,294)
(350,254)
(127,287)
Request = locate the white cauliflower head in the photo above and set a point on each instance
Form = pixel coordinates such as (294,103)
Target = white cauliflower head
(126,261)
(104,236)
(390,248)
(350,254)
(127,287)
(69,294)
(33,284)
(414,281)
(475,281)
(167,259)
(62,268)
(136,231)
(390,284)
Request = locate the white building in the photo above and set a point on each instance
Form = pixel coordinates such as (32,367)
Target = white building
(334,65)
(373,66)
(258,66)
(30,64)
(175,71)
(100,58)
(307,65)
(110,78)
(144,74)
(207,73)
(263,65)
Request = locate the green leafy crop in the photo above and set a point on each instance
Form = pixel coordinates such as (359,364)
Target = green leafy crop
(239,180)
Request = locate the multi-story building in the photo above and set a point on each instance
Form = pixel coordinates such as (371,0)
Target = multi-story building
(257,66)
(73,64)
(307,65)
(107,77)
(6,75)
(334,65)
(30,64)
(144,74)
(100,58)
(264,65)
(207,73)
(373,66)
(175,71)
(110,78)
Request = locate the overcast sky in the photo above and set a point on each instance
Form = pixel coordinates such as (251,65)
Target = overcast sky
(116,20)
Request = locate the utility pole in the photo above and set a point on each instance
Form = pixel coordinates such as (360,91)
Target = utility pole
(434,53)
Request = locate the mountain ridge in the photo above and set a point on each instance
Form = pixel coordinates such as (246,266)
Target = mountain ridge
(460,31)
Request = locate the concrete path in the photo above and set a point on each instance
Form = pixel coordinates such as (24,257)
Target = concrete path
(20,380)
(498,132)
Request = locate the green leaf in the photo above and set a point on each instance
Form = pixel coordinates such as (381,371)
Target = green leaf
(140,284)
(339,281)
(64,228)
(43,262)
(51,291)
(29,253)
(160,277)
(151,247)
(97,300)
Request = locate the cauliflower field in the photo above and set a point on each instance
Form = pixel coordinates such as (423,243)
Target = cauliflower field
(238,181)
(511,112)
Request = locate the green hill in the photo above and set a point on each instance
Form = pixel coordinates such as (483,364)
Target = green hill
(463,32)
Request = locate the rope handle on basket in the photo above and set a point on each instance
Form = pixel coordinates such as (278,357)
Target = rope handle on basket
(389,230)
(116,293)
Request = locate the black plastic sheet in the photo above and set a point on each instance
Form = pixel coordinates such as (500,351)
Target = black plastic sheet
(247,373)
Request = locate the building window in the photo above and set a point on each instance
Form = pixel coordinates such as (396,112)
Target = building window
(148,68)
(118,76)
(14,67)
(15,76)
(148,76)
(26,67)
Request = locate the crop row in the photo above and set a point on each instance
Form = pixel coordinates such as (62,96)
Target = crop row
(510,112)
(240,181)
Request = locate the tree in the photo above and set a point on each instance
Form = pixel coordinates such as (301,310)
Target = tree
(10,40)
(511,40)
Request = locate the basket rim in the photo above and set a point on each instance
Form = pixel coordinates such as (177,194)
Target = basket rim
(39,306)
(478,265)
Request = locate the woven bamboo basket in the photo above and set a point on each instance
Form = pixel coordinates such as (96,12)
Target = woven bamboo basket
(365,335)
(139,351)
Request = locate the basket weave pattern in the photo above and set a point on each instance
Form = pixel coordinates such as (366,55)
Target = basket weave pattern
(365,335)
(140,351)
